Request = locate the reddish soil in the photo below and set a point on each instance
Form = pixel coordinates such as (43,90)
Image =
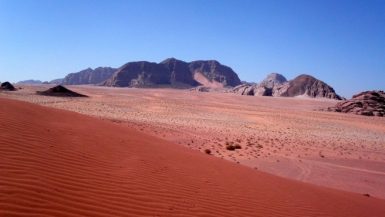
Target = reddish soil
(59,163)
(288,137)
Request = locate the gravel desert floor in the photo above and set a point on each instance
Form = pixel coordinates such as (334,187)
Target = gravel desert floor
(288,137)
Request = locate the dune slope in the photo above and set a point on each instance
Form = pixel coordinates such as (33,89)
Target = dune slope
(60,163)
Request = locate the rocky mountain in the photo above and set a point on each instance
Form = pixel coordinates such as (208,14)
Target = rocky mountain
(89,76)
(179,72)
(277,85)
(273,80)
(139,74)
(309,86)
(369,103)
(215,72)
(175,73)
(30,82)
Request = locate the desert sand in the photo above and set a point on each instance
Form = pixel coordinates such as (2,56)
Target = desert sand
(60,163)
(288,137)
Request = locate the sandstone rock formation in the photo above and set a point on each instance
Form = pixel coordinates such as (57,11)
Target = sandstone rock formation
(277,85)
(309,86)
(253,90)
(272,80)
(174,73)
(214,71)
(179,72)
(89,76)
(7,86)
(139,74)
(268,87)
(370,103)
(60,91)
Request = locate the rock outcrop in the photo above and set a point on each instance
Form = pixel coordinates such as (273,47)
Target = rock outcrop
(89,76)
(252,90)
(174,73)
(273,80)
(60,91)
(201,89)
(370,103)
(309,86)
(215,72)
(270,86)
(277,85)
(7,86)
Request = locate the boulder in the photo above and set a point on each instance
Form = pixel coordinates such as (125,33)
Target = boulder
(368,103)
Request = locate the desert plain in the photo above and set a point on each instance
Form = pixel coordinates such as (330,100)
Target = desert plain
(164,152)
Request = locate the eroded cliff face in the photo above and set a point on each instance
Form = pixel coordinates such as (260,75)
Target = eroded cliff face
(172,72)
(309,86)
(214,71)
(89,76)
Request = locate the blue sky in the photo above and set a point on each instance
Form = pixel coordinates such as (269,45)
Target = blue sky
(340,42)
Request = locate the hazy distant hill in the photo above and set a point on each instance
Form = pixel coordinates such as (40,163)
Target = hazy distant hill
(174,73)
(57,81)
(89,76)
(31,81)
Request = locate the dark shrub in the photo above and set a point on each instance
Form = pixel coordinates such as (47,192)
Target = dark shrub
(208,151)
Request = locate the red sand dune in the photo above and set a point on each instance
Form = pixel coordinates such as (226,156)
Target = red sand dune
(60,163)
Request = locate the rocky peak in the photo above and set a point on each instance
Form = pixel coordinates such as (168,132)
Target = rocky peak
(273,79)
(214,71)
(170,60)
(173,72)
(309,86)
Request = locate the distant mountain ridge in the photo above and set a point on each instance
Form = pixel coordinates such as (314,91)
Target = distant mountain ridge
(56,81)
(89,76)
(173,72)
(30,81)
(37,82)
(208,74)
